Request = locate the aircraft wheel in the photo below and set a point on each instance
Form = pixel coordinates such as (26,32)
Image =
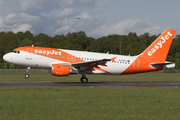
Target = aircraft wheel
(84,80)
(27,76)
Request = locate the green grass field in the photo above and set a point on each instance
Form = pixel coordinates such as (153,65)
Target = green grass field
(46,76)
(89,103)
(74,103)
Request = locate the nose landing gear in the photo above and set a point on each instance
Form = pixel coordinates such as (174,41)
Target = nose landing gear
(28,72)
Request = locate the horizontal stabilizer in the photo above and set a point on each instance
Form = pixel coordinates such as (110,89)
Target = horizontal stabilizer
(165,65)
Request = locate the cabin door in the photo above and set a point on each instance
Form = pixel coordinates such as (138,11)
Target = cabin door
(29,54)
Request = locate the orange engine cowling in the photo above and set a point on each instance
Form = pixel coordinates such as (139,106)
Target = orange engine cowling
(60,70)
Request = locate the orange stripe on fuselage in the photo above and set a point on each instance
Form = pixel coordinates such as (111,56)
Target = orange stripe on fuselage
(52,53)
(143,66)
(95,68)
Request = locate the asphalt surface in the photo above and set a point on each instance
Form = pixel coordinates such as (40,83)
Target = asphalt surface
(90,84)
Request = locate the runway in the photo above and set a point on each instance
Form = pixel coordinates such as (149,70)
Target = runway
(90,84)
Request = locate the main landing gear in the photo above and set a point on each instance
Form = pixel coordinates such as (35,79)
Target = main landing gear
(28,72)
(84,79)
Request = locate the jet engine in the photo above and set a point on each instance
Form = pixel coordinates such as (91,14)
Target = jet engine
(62,70)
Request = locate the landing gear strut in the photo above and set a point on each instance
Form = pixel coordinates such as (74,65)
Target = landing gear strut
(28,72)
(84,79)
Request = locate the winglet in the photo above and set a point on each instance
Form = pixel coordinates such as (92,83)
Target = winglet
(113,59)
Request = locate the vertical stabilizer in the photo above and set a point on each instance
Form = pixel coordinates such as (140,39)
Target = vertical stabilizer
(160,47)
(154,55)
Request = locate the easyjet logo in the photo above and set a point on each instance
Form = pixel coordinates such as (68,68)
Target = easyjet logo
(52,52)
(163,40)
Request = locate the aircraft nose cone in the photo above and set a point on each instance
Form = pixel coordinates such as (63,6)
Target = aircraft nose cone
(6,57)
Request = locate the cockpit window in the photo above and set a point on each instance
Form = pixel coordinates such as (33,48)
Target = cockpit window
(16,51)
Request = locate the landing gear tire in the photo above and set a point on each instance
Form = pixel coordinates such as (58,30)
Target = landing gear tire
(84,80)
(27,76)
(28,72)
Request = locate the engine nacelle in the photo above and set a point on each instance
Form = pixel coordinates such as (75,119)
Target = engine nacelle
(62,70)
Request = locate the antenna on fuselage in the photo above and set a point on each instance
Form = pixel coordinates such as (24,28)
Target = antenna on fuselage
(32,45)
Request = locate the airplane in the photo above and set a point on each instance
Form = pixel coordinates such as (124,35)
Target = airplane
(63,62)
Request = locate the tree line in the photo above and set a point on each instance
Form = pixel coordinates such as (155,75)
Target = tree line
(130,44)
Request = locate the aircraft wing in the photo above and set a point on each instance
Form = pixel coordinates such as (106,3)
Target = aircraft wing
(91,64)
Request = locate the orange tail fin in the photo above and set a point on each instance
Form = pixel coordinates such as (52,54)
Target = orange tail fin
(160,47)
(153,58)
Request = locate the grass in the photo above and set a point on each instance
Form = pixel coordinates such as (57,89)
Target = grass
(46,76)
(75,103)
(89,103)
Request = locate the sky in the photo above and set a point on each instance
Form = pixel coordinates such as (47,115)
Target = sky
(98,17)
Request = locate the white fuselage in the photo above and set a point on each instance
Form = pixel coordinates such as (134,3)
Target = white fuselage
(46,61)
